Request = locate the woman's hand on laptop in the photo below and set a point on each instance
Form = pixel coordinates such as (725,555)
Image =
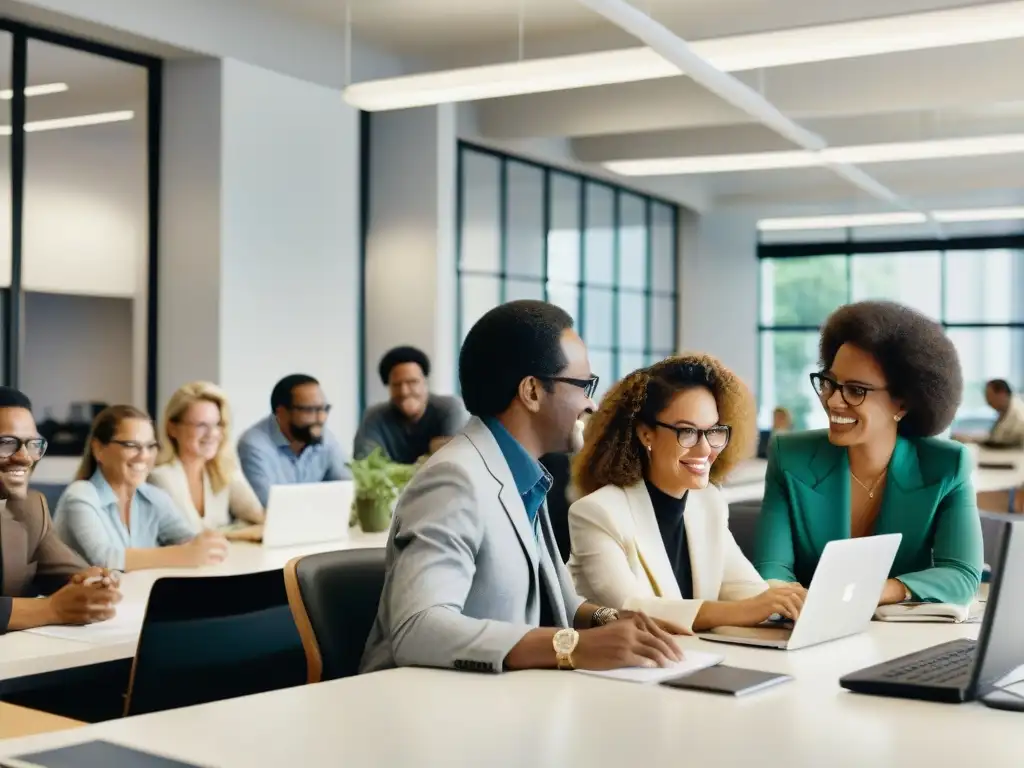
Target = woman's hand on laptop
(208,548)
(786,601)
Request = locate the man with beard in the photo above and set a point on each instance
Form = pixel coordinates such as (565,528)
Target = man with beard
(414,422)
(474,580)
(33,559)
(292,445)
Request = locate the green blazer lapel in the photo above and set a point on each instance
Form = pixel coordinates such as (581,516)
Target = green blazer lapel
(821,494)
(908,503)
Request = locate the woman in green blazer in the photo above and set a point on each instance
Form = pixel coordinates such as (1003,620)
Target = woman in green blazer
(890,381)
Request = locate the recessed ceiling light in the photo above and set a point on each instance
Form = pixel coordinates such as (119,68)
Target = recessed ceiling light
(78,121)
(36,90)
(849,221)
(804,45)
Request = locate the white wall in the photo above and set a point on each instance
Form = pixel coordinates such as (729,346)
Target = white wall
(77,349)
(259,257)
(410,267)
(718,290)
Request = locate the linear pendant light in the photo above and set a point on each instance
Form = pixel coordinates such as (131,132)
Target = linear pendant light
(803,45)
(864,154)
(78,121)
(849,221)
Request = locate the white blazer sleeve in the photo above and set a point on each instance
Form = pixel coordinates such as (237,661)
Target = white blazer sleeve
(602,565)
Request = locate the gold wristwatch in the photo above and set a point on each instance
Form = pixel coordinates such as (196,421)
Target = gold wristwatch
(565,642)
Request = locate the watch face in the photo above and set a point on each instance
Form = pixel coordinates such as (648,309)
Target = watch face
(565,641)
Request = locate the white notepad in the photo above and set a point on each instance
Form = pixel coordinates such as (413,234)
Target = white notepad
(931,612)
(692,662)
(124,627)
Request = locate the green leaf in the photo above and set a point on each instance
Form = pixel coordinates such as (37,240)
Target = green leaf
(377,477)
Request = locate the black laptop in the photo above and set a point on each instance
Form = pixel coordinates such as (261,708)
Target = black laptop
(962,670)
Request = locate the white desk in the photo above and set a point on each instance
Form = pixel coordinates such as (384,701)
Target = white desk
(27,653)
(437,718)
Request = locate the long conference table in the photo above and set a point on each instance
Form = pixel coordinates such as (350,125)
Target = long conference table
(427,717)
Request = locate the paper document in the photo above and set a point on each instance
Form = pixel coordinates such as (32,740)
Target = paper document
(932,612)
(692,662)
(124,627)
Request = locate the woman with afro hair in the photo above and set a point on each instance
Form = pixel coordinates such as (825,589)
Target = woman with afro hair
(890,380)
(652,533)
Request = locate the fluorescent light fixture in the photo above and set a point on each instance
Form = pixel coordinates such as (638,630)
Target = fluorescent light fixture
(78,121)
(842,221)
(863,154)
(36,90)
(804,45)
(845,221)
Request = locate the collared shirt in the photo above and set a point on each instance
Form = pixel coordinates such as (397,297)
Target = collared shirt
(88,519)
(532,481)
(267,459)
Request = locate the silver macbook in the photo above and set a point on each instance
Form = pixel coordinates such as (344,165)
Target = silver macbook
(308,513)
(841,598)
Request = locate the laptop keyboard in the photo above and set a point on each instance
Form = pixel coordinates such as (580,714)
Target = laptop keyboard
(946,664)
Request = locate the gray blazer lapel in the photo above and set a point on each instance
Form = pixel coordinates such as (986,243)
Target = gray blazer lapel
(482,439)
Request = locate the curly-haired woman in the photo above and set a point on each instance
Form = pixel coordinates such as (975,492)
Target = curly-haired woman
(652,533)
(890,380)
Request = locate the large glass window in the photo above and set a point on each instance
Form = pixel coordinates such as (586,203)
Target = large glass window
(604,254)
(976,292)
(77,222)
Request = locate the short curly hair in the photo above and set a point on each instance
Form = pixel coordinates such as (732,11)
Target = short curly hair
(612,454)
(399,356)
(920,364)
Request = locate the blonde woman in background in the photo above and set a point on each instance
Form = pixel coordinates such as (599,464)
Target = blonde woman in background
(113,518)
(197,466)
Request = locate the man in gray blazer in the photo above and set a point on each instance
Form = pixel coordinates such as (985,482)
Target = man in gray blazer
(474,580)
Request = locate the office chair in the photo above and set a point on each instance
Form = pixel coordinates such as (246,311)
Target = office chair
(208,638)
(334,597)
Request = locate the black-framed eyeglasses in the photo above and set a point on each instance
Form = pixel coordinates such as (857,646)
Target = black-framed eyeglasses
(35,447)
(136,447)
(852,394)
(589,386)
(311,409)
(717,436)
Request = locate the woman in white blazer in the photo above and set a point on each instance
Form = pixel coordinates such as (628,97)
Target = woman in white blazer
(197,467)
(652,532)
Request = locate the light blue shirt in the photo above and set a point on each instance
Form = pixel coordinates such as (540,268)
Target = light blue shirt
(88,519)
(532,481)
(268,459)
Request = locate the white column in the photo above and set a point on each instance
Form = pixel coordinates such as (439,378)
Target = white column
(410,255)
(259,214)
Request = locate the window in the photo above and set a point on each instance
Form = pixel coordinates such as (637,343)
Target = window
(974,287)
(604,254)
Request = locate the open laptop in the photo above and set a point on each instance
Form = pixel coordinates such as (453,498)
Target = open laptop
(962,670)
(308,513)
(841,598)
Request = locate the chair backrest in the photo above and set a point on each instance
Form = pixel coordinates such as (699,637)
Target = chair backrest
(207,638)
(743,517)
(334,598)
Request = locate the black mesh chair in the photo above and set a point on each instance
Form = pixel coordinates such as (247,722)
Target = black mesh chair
(208,638)
(334,598)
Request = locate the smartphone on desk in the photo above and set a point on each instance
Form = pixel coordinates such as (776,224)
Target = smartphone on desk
(734,681)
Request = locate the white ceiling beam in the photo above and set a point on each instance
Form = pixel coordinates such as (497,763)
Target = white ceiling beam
(921,80)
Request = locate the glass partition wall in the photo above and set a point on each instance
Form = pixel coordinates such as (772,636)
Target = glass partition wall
(603,253)
(79,185)
(973,286)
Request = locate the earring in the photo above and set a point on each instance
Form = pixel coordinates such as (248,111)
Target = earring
(897,417)
(648,449)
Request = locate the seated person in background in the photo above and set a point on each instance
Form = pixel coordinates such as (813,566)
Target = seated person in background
(292,445)
(652,533)
(33,559)
(113,518)
(474,580)
(1008,431)
(782,421)
(196,465)
(413,423)
(890,380)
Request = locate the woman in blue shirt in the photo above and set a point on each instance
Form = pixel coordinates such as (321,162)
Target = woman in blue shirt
(113,517)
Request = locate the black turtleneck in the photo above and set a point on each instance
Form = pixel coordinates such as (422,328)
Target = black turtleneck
(669,512)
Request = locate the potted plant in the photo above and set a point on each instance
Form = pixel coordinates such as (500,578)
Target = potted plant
(378,482)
